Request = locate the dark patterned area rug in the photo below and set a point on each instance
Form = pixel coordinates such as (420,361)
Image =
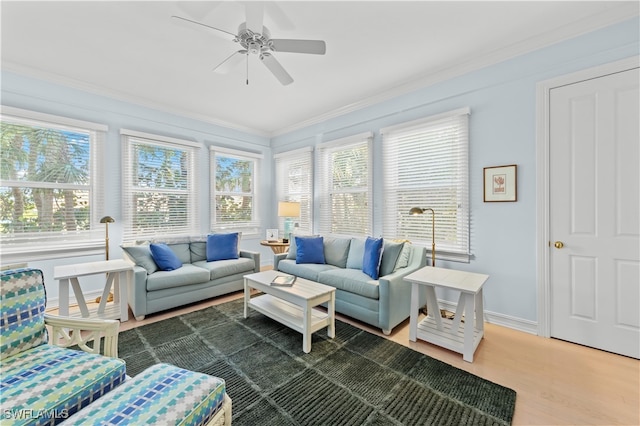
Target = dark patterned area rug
(357,378)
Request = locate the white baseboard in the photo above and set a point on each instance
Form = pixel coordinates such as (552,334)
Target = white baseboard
(519,324)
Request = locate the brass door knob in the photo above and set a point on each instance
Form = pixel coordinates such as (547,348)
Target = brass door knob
(558,244)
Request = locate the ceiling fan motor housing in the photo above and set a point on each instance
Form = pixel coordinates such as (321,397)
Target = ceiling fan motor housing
(253,42)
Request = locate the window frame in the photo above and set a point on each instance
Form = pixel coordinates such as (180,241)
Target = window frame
(130,139)
(457,155)
(284,162)
(36,246)
(253,226)
(325,169)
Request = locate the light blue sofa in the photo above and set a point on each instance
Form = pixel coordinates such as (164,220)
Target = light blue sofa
(154,290)
(383,303)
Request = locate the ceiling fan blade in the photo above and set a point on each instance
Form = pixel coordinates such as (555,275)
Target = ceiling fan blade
(255,16)
(230,62)
(276,69)
(315,47)
(188,23)
(197,9)
(278,16)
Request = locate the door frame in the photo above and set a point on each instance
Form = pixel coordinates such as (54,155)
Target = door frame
(543,90)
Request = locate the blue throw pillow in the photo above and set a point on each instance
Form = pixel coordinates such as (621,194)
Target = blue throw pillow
(371,259)
(222,246)
(164,257)
(309,250)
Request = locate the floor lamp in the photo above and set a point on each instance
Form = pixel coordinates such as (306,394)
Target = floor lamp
(106,220)
(416,211)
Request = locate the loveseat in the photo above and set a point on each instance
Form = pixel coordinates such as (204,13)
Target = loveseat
(209,266)
(43,382)
(381,298)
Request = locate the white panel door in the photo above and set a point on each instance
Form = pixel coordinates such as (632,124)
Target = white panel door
(594,182)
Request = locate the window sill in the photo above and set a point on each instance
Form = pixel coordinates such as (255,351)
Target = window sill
(29,254)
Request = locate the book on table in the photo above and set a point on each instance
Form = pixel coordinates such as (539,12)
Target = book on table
(283,280)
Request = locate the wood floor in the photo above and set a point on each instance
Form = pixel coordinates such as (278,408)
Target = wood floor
(556,382)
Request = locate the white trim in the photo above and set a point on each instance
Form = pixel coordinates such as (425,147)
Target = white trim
(543,90)
(407,125)
(236,152)
(293,152)
(359,138)
(55,120)
(155,138)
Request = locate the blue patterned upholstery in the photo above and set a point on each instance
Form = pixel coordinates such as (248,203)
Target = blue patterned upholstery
(162,394)
(42,384)
(22,301)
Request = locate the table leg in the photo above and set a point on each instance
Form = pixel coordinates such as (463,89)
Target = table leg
(432,306)
(82,304)
(247,296)
(457,318)
(105,293)
(415,310)
(306,328)
(123,284)
(479,312)
(331,311)
(63,305)
(469,315)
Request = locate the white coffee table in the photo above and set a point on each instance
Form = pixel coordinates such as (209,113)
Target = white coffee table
(292,306)
(118,274)
(447,333)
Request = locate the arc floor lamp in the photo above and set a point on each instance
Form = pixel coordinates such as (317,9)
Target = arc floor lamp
(416,211)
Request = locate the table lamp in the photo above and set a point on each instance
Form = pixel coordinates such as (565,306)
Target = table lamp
(288,210)
(416,211)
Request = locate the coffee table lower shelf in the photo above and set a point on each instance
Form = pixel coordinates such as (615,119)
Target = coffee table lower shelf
(289,314)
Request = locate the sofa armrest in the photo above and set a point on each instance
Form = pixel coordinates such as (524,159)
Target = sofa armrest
(252,255)
(395,292)
(86,333)
(277,258)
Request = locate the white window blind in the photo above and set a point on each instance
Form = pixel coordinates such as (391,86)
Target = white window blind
(294,182)
(426,165)
(344,178)
(233,195)
(51,186)
(160,186)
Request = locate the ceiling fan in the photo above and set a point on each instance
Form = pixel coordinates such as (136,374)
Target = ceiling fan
(255,39)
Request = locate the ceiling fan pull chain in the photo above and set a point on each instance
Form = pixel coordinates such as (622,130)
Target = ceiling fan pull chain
(247,69)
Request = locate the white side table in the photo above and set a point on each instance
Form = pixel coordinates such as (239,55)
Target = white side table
(448,334)
(119,275)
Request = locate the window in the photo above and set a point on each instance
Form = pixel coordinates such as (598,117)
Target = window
(345,186)
(50,186)
(233,197)
(425,164)
(160,186)
(294,182)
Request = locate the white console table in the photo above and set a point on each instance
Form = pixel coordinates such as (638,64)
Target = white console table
(119,275)
(448,334)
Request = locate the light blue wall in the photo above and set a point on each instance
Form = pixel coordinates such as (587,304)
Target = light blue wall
(502,131)
(36,95)
(502,99)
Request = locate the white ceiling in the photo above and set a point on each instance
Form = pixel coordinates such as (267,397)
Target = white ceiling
(375,50)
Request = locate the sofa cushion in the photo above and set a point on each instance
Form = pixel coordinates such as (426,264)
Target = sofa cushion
(225,268)
(390,252)
(222,246)
(404,257)
(182,251)
(198,251)
(356,253)
(164,257)
(23,301)
(162,394)
(308,271)
(372,255)
(352,281)
(141,256)
(309,250)
(188,274)
(336,251)
(51,379)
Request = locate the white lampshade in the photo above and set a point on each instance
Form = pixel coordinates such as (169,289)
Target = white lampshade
(288,209)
